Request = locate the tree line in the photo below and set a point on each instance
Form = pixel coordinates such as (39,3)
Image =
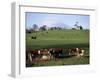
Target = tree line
(36,28)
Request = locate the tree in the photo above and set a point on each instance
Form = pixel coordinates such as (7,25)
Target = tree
(35,27)
(29,30)
(81,28)
(43,28)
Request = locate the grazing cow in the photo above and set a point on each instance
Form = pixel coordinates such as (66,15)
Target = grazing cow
(39,52)
(81,53)
(45,55)
(52,51)
(40,55)
(33,37)
(77,52)
(56,52)
(34,51)
(73,51)
(34,54)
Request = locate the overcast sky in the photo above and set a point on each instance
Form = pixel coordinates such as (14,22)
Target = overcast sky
(51,20)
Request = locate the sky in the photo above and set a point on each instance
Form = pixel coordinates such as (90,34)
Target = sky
(52,20)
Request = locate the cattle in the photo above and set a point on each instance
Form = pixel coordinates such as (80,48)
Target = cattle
(55,53)
(34,54)
(40,55)
(45,55)
(33,37)
(58,52)
(81,53)
(77,52)
(73,51)
(52,51)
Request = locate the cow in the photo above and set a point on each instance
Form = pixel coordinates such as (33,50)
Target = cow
(81,53)
(33,37)
(34,54)
(56,53)
(45,55)
(40,55)
(77,52)
(73,51)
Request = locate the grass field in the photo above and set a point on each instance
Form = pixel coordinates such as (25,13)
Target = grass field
(60,39)
(64,61)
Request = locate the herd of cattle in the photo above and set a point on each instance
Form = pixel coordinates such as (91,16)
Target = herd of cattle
(53,53)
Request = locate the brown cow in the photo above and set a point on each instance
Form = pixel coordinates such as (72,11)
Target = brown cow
(77,52)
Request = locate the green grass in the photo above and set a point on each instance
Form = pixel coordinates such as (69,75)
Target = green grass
(60,39)
(65,61)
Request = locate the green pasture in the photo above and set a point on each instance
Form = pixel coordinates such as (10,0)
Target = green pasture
(60,39)
(65,61)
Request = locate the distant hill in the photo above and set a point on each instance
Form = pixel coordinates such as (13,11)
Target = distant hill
(62,25)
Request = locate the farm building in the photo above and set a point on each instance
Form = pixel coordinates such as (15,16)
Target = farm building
(77,26)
